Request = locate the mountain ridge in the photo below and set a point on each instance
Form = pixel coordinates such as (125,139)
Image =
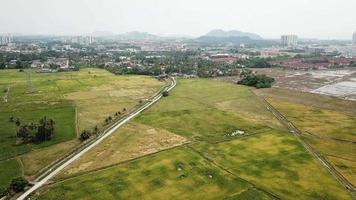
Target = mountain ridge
(219,33)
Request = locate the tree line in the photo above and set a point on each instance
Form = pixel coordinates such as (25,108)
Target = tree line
(34,132)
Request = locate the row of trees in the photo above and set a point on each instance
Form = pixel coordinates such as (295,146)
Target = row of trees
(85,134)
(32,132)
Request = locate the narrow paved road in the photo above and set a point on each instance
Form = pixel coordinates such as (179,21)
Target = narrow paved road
(46,176)
(339,177)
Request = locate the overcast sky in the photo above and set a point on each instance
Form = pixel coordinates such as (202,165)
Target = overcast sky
(324,19)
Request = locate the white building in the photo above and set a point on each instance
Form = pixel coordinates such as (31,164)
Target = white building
(37,64)
(5,39)
(63,63)
(289,40)
(83,40)
(354,38)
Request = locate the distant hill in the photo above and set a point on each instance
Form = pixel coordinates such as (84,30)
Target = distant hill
(233,33)
(136,35)
(207,40)
(224,40)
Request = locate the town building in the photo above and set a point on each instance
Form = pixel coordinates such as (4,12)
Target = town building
(289,40)
(37,64)
(5,39)
(86,40)
(354,38)
(63,63)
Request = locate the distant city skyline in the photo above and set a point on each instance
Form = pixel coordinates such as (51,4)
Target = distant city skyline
(319,19)
(289,40)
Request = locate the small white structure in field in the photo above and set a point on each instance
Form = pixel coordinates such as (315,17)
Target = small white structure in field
(237,132)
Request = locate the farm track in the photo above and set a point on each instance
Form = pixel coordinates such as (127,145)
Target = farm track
(297,133)
(62,164)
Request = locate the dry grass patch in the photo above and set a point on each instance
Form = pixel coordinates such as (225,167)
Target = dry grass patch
(319,122)
(38,158)
(129,142)
(346,167)
(331,147)
(174,174)
(277,162)
(251,109)
(328,124)
(99,102)
(310,99)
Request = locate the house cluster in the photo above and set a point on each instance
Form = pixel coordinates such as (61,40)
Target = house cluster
(270,52)
(225,58)
(123,61)
(315,63)
(52,65)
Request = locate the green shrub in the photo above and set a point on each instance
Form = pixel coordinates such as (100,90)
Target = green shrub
(18,184)
(84,135)
(165,94)
(258,81)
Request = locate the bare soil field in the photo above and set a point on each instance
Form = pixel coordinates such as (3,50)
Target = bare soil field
(333,82)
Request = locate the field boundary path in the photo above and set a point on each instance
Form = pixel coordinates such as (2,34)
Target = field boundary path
(296,132)
(54,170)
